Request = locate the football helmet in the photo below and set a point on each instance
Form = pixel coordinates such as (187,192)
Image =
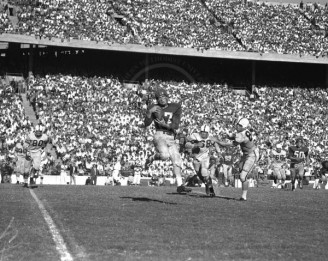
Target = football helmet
(161,92)
(279,147)
(204,131)
(38,131)
(205,128)
(243,122)
(299,141)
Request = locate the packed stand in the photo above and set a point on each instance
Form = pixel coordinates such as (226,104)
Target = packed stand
(224,25)
(5,24)
(14,125)
(97,120)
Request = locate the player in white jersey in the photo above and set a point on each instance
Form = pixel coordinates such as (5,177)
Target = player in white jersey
(137,173)
(244,139)
(22,165)
(200,144)
(36,142)
(278,161)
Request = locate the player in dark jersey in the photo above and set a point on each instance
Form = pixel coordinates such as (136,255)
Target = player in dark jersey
(298,155)
(321,176)
(227,164)
(166,117)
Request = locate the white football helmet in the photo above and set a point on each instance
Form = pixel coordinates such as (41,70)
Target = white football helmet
(205,128)
(38,130)
(244,122)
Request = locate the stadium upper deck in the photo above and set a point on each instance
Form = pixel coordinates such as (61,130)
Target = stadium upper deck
(258,31)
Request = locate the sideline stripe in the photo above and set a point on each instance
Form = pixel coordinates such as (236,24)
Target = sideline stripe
(59,241)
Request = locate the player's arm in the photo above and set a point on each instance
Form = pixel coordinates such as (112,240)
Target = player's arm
(176,118)
(307,157)
(149,115)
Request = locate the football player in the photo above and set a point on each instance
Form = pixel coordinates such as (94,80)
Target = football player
(166,117)
(36,142)
(322,176)
(137,173)
(278,161)
(298,155)
(20,158)
(228,161)
(200,144)
(250,156)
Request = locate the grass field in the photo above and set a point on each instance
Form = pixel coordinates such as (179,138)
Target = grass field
(150,223)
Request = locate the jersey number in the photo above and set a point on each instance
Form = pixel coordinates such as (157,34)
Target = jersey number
(37,143)
(299,154)
(280,157)
(168,117)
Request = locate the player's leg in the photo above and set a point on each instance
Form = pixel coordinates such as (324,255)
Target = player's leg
(246,165)
(19,168)
(300,175)
(26,176)
(282,177)
(230,177)
(36,165)
(172,150)
(205,163)
(225,174)
(293,177)
(276,173)
(162,151)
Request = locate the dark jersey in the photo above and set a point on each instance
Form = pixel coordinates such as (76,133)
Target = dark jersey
(227,158)
(299,153)
(324,169)
(126,169)
(171,115)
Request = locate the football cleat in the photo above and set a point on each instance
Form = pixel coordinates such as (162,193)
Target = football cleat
(212,193)
(25,185)
(242,199)
(183,189)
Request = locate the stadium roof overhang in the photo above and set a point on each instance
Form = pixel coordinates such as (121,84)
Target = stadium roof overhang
(23,39)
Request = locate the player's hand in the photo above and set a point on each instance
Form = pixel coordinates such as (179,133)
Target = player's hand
(155,109)
(213,139)
(200,144)
(163,124)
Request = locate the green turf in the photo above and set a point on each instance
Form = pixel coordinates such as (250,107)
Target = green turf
(151,223)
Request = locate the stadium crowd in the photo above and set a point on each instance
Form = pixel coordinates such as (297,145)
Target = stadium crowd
(97,120)
(224,25)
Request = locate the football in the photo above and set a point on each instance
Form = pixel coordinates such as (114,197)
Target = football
(159,114)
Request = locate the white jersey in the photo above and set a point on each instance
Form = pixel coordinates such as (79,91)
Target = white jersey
(36,144)
(205,151)
(246,142)
(278,158)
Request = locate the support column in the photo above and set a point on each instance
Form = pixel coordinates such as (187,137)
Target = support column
(253,74)
(147,67)
(30,60)
(326,82)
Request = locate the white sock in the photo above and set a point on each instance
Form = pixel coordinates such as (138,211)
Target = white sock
(179,181)
(244,194)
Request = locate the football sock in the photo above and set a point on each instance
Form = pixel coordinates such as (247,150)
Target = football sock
(179,181)
(245,188)
(316,183)
(41,180)
(244,194)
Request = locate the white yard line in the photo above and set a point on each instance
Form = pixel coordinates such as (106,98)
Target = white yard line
(59,241)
